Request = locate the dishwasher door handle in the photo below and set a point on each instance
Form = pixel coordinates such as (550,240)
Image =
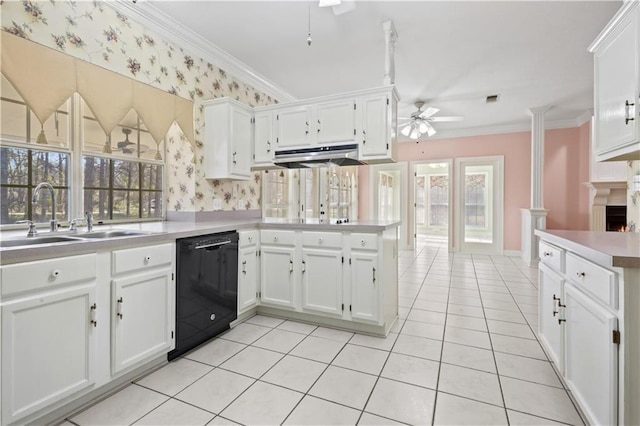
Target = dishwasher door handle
(212,245)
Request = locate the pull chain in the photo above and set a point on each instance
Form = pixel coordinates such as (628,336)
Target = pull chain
(309,34)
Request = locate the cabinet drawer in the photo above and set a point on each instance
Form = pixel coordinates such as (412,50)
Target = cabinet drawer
(247,238)
(141,258)
(551,255)
(596,280)
(277,237)
(364,241)
(322,239)
(41,274)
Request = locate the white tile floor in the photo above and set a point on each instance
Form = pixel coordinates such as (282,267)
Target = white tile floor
(463,352)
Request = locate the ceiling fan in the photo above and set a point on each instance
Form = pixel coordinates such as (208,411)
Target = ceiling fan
(339,6)
(128,147)
(420,121)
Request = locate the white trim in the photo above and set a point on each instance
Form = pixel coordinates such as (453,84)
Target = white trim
(613,24)
(497,162)
(175,32)
(404,242)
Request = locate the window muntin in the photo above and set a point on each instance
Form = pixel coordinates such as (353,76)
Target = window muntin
(275,193)
(21,170)
(475,210)
(438,201)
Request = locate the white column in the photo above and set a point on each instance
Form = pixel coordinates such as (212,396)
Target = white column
(390,37)
(536,216)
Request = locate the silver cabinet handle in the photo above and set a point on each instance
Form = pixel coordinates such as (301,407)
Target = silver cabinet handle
(212,245)
(319,126)
(234,158)
(374,276)
(93,315)
(306,132)
(580,274)
(304,266)
(119,308)
(627,113)
(547,253)
(269,146)
(290,266)
(147,259)
(244,266)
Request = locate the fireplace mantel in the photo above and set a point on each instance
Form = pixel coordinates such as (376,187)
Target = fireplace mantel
(605,193)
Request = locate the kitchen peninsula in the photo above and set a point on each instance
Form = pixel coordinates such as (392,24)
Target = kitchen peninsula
(589,323)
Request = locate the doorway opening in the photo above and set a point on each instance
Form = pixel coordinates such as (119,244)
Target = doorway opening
(388,195)
(432,195)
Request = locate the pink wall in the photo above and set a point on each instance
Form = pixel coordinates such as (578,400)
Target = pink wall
(566,167)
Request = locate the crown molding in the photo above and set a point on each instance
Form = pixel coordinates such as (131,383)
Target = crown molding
(175,32)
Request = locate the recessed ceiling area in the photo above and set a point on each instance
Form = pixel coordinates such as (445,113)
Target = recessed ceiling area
(451,54)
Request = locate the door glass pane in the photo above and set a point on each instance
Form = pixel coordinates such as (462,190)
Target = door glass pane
(420,199)
(438,200)
(478,195)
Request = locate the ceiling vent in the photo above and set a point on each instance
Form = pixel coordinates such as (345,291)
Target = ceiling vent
(492,99)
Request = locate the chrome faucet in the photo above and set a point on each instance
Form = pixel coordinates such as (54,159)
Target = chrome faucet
(36,194)
(89,217)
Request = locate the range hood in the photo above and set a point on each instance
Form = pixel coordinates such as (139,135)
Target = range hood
(319,156)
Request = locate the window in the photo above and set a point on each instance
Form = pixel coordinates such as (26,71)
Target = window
(21,169)
(121,180)
(305,193)
(475,200)
(438,200)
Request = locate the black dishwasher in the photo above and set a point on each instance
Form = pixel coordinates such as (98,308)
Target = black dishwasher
(206,288)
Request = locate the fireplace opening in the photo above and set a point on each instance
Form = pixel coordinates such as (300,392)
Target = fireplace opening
(616,218)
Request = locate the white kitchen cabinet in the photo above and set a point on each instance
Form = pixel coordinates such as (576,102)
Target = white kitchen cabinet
(48,332)
(335,121)
(591,356)
(551,329)
(364,286)
(228,139)
(264,142)
(248,279)
(142,318)
(377,126)
(293,127)
(278,273)
(322,281)
(142,305)
(617,86)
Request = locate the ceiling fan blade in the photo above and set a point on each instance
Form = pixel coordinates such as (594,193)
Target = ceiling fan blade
(429,112)
(406,129)
(430,130)
(451,118)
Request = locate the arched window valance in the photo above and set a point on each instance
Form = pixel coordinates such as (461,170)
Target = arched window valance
(45,78)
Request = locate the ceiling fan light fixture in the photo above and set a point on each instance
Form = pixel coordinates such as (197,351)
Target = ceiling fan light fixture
(406,130)
(415,132)
(423,127)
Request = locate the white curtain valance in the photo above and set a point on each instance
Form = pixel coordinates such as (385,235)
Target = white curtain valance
(45,78)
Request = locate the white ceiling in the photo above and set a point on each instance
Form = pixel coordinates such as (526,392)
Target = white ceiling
(451,54)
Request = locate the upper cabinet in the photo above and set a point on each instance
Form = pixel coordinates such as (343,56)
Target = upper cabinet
(617,86)
(228,137)
(366,118)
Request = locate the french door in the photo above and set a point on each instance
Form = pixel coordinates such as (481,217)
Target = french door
(479,211)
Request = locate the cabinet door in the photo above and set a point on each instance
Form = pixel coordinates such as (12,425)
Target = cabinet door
(364,287)
(336,121)
(142,320)
(263,139)
(322,280)
(48,346)
(591,356)
(247,279)
(550,330)
(242,139)
(277,276)
(293,127)
(374,131)
(616,83)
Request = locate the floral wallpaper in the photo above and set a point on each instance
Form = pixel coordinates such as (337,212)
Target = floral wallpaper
(94,32)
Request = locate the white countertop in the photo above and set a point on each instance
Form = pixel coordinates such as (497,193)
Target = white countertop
(617,249)
(163,231)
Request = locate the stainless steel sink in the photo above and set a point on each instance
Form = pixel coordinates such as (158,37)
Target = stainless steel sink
(36,240)
(111,234)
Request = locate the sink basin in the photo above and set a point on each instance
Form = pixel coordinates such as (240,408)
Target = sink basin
(35,241)
(111,234)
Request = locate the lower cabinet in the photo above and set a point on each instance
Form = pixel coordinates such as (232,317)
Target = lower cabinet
(48,345)
(277,276)
(247,278)
(579,332)
(550,290)
(364,292)
(591,356)
(142,318)
(322,280)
